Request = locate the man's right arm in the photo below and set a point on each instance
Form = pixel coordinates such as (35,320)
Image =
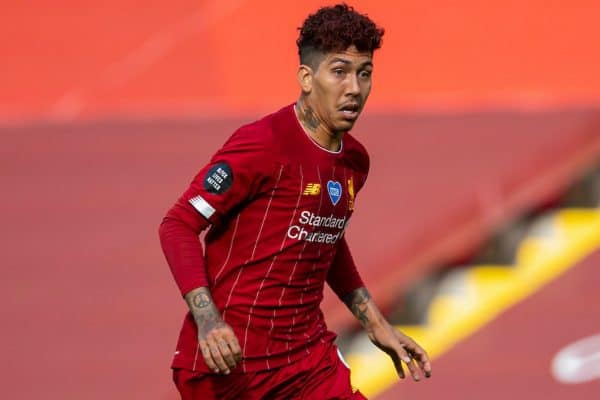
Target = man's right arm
(236,173)
(181,245)
(218,343)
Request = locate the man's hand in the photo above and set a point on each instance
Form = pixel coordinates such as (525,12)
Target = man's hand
(397,345)
(401,348)
(218,343)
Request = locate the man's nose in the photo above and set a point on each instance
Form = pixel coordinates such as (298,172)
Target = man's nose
(353,88)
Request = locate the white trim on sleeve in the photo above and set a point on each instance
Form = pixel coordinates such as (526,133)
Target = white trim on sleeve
(202,206)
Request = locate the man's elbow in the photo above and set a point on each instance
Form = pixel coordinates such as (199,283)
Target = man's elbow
(165,229)
(177,224)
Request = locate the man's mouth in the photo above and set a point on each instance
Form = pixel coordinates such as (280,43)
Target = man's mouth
(350,110)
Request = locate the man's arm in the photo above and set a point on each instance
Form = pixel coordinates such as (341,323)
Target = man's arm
(396,344)
(183,250)
(218,343)
(236,173)
(343,277)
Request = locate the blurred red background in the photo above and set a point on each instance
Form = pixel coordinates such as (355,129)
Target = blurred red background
(481,111)
(71,59)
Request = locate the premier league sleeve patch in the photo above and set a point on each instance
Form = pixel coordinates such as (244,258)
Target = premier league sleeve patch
(218,179)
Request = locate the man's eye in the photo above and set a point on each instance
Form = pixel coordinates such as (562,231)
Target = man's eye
(338,72)
(365,74)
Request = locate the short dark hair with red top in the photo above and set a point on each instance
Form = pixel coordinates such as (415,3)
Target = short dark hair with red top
(333,29)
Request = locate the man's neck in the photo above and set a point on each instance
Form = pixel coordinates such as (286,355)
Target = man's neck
(315,128)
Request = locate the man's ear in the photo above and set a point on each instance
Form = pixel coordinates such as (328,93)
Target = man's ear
(305,77)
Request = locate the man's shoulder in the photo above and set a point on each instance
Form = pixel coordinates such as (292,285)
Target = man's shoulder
(259,134)
(356,153)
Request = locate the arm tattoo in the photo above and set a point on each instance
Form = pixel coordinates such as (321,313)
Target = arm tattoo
(204,311)
(201,300)
(357,303)
(207,320)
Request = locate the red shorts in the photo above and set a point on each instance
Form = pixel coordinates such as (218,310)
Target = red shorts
(320,376)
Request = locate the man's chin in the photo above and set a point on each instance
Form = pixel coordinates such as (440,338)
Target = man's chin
(346,125)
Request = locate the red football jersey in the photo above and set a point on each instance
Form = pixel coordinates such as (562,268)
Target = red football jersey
(278,204)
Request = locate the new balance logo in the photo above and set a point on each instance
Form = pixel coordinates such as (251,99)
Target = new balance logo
(312,189)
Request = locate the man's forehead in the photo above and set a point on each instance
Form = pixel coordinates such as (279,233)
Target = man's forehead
(349,56)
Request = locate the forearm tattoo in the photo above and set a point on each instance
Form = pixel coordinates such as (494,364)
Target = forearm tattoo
(207,320)
(357,303)
(205,312)
(201,300)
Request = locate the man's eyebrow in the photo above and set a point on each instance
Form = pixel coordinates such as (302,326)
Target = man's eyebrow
(338,59)
(347,62)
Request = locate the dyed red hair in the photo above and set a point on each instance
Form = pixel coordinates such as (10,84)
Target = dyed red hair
(335,28)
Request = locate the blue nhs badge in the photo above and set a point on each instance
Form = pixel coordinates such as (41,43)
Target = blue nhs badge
(335,191)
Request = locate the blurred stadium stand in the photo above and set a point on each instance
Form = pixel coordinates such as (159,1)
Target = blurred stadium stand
(70,59)
(482,114)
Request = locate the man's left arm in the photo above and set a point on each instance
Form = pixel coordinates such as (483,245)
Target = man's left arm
(397,345)
(345,281)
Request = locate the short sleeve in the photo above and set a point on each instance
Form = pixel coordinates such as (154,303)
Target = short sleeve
(234,175)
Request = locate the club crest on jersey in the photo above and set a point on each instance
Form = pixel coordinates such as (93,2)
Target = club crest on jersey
(334,189)
(312,189)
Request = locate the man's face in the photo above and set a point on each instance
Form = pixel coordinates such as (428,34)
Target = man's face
(340,87)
